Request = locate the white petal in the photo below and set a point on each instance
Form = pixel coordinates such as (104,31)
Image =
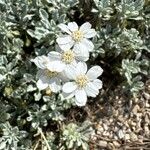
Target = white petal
(81,97)
(90,33)
(85,27)
(69,87)
(80,54)
(73,26)
(64,28)
(94,72)
(91,90)
(58,49)
(82,57)
(65,42)
(71,72)
(70,69)
(65,39)
(41,85)
(41,61)
(66,46)
(41,74)
(98,83)
(87,44)
(55,85)
(74,63)
(81,68)
(57,66)
(62,76)
(54,56)
(67,95)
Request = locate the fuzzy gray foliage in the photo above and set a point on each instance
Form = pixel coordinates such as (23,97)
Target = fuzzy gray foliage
(28,28)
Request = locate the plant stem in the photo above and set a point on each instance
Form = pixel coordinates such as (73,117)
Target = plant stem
(44,138)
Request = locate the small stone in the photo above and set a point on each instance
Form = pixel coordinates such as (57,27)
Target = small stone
(105,133)
(110,120)
(147,118)
(111,146)
(146,96)
(105,127)
(116,113)
(146,130)
(103,143)
(116,128)
(120,134)
(98,133)
(100,129)
(111,135)
(133,123)
(136,100)
(147,105)
(133,137)
(115,137)
(135,109)
(127,137)
(116,144)
(120,118)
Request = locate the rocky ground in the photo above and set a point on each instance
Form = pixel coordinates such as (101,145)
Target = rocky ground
(121,123)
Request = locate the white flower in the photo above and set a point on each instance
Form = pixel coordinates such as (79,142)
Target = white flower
(41,61)
(67,59)
(44,62)
(47,78)
(77,37)
(85,83)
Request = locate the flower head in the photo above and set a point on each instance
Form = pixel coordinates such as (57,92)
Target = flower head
(47,78)
(84,83)
(67,58)
(76,36)
(67,65)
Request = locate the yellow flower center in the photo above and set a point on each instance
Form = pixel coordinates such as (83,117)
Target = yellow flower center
(48,91)
(51,74)
(68,56)
(77,35)
(81,81)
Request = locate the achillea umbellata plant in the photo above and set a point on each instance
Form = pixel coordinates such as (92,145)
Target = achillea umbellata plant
(50,57)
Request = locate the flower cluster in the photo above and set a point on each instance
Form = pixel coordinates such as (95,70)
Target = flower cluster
(65,69)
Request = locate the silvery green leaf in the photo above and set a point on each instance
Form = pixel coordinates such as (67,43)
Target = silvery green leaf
(35,125)
(85,146)
(131,9)
(94,10)
(46,98)
(31,88)
(28,77)
(43,14)
(103,7)
(2,2)
(2,77)
(136,86)
(41,51)
(3,60)
(31,32)
(37,96)
(29,17)
(2,144)
(44,107)
(29,118)
(70,145)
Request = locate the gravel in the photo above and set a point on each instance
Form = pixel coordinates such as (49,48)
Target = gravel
(129,124)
